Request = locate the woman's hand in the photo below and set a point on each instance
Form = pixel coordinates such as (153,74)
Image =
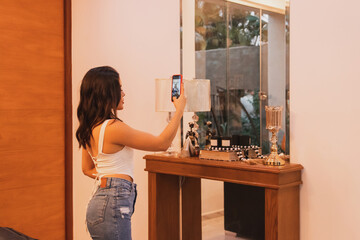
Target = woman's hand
(180,102)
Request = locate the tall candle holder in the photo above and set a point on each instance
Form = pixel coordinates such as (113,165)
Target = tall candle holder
(273,124)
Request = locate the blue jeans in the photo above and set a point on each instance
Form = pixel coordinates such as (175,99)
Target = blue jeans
(109,211)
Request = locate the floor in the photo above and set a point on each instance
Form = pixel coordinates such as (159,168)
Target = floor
(213,228)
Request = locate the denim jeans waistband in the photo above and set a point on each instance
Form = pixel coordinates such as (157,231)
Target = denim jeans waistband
(119,182)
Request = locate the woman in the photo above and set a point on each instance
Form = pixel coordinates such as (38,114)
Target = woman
(107,151)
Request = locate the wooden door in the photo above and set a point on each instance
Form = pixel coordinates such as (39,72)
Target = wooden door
(33,118)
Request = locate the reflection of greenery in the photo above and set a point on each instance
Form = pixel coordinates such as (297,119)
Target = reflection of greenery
(211,26)
(244,29)
(203,117)
(224,126)
(211,30)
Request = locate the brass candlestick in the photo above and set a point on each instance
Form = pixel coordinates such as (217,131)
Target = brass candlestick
(273,124)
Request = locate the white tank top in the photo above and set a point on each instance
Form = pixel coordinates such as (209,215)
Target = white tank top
(121,162)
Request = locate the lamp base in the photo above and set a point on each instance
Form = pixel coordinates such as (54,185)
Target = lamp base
(172,150)
(171,154)
(274,160)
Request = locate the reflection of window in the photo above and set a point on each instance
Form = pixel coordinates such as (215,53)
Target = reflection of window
(240,49)
(232,66)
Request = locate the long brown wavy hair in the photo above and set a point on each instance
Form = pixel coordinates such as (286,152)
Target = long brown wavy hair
(100,94)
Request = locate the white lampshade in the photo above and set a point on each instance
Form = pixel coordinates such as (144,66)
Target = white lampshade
(197,93)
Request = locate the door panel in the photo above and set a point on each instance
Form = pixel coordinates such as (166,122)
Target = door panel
(32,117)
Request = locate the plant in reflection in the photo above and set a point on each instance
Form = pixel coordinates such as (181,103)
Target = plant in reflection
(211,28)
(203,117)
(244,29)
(224,127)
(232,65)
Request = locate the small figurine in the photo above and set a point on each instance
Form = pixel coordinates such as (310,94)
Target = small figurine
(192,137)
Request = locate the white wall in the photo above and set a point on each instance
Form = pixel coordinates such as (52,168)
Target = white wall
(324,88)
(141,39)
(212,196)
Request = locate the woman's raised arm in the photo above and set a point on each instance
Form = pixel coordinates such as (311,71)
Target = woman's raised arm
(123,134)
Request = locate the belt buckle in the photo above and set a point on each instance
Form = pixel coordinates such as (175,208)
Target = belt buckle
(103,182)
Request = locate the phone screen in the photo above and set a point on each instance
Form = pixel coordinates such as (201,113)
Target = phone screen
(176,81)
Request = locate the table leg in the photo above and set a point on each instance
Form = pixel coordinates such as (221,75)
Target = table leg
(191,208)
(164,213)
(282,214)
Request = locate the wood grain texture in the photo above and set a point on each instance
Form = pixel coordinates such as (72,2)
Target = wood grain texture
(37,211)
(152,205)
(30,129)
(235,172)
(282,213)
(281,191)
(271,214)
(68,123)
(289,213)
(224,164)
(32,117)
(164,211)
(191,209)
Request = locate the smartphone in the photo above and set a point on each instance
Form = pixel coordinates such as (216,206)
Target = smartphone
(176,86)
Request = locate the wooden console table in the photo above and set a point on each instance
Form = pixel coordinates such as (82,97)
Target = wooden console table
(167,190)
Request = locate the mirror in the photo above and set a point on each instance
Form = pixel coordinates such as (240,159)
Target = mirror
(242,46)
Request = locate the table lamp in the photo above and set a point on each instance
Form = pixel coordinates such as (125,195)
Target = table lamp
(197,93)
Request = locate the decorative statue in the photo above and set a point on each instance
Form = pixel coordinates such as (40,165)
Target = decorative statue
(209,133)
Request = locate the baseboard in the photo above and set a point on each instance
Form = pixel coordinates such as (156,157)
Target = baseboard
(212,214)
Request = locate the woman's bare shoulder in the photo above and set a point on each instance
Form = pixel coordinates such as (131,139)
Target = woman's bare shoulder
(116,123)
(117,127)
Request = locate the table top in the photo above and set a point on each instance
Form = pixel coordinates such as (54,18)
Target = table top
(174,158)
(237,172)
